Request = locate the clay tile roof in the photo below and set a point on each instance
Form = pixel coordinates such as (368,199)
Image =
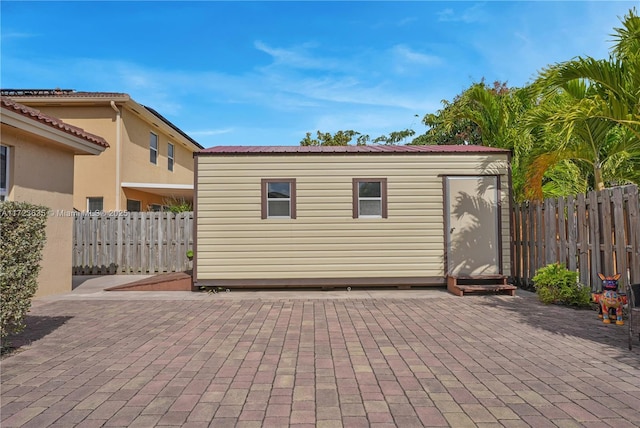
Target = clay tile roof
(51,121)
(370,149)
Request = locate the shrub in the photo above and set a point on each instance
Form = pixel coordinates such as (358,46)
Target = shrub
(554,283)
(22,238)
(178,205)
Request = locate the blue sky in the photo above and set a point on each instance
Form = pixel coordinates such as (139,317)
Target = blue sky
(265,73)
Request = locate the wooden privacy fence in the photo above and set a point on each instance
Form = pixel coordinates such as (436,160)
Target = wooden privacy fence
(133,242)
(593,233)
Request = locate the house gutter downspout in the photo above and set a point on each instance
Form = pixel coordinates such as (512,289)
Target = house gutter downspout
(118,138)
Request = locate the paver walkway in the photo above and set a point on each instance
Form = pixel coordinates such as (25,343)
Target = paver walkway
(338,359)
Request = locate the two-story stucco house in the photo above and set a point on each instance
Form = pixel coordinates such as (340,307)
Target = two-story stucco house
(37,156)
(149,162)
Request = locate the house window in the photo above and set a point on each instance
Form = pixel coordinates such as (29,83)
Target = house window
(153,148)
(157,207)
(4,173)
(95,203)
(369,198)
(170,157)
(133,205)
(279,198)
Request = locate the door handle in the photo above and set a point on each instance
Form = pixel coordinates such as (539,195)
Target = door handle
(452,229)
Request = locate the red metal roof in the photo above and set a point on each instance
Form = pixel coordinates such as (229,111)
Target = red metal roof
(52,121)
(369,149)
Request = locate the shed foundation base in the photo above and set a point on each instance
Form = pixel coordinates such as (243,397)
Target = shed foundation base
(491,284)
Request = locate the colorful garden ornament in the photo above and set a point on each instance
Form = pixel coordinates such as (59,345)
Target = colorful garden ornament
(610,301)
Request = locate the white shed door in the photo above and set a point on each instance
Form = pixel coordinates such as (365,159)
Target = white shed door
(472,231)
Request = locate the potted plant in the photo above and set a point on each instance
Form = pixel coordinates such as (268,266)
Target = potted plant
(190,254)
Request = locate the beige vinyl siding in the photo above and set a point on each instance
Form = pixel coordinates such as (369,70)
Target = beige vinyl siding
(233,242)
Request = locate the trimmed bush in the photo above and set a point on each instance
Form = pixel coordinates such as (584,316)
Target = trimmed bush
(22,238)
(554,283)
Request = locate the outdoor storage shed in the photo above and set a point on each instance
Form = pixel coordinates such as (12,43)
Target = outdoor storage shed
(327,216)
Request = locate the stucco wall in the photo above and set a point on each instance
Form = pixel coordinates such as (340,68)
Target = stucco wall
(136,167)
(42,173)
(233,242)
(96,176)
(145,198)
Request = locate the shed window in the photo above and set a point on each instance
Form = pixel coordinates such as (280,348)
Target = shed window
(279,198)
(369,198)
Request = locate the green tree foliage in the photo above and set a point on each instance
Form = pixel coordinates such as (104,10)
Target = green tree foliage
(593,106)
(458,121)
(344,138)
(487,115)
(22,238)
(340,138)
(395,137)
(576,128)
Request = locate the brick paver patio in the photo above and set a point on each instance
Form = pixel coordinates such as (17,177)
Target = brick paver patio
(379,359)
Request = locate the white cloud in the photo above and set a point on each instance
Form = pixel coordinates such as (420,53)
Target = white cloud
(351,82)
(407,55)
(209,132)
(406,21)
(355,100)
(296,57)
(475,13)
(17,35)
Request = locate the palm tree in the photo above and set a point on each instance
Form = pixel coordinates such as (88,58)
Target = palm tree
(487,115)
(594,108)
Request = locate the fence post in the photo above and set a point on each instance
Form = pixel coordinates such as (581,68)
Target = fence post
(583,240)
(594,240)
(572,235)
(550,254)
(617,198)
(633,207)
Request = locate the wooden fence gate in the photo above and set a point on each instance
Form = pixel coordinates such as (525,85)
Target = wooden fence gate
(593,233)
(136,243)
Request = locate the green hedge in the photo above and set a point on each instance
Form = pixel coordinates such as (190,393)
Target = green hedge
(22,238)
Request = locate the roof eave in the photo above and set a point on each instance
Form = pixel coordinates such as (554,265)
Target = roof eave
(167,122)
(77,144)
(287,151)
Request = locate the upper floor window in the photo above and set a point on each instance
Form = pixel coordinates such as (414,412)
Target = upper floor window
(4,172)
(170,156)
(153,148)
(369,198)
(279,198)
(95,203)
